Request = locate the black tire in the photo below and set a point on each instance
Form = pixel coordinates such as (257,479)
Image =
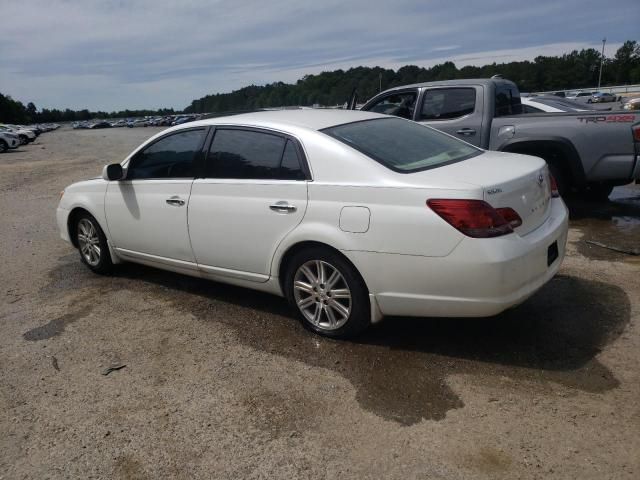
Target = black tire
(3,146)
(359,317)
(599,192)
(103,265)
(24,139)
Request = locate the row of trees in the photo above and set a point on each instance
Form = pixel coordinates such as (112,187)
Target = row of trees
(578,69)
(12,111)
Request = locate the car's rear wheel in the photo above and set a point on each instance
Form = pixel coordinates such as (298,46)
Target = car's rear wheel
(92,244)
(24,140)
(327,293)
(3,146)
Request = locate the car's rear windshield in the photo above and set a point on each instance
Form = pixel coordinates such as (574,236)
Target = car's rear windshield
(402,145)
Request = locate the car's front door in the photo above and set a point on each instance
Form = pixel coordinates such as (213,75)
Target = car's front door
(453,110)
(147,211)
(253,193)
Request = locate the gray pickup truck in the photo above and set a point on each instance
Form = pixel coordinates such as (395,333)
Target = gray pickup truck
(590,152)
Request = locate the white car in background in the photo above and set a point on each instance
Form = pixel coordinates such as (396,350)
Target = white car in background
(349,215)
(8,140)
(24,135)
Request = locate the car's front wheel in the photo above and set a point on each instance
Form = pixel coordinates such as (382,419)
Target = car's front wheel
(92,244)
(327,293)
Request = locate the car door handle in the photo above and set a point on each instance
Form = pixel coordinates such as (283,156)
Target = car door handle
(175,201)
(467,132)
(282,207)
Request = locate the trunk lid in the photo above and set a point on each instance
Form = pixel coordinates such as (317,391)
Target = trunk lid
(520,182)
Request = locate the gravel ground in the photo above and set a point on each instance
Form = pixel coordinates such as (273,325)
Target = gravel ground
(222,382)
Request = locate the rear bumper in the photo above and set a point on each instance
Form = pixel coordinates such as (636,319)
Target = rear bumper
(480,278)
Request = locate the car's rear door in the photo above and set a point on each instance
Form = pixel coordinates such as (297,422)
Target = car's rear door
(253,192)
(147,211)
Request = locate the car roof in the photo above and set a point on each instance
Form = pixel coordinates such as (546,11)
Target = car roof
(312,119)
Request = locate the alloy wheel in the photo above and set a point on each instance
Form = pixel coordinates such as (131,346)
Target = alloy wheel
(89,242)
(322,295)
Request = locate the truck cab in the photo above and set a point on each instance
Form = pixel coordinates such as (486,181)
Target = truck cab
(586,151)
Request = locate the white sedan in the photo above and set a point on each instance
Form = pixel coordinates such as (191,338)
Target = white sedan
(349,215)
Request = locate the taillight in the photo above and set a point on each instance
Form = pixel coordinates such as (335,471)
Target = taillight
(474,218)
(511,216)
(636,132)
(555,193)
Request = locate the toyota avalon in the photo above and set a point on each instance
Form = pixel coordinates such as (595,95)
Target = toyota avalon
(349,215)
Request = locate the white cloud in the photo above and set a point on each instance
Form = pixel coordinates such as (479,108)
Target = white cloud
(151,53)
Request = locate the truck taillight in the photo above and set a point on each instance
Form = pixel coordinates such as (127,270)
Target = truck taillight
(555,193)
(474,218)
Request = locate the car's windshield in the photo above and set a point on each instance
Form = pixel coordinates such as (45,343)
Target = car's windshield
(402,145)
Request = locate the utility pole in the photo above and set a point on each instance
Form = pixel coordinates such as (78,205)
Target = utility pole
(604,40)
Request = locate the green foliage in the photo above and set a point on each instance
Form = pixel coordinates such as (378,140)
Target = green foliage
(12,111)
(578,69)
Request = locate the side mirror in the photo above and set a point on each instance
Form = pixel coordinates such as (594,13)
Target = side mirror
(112,172)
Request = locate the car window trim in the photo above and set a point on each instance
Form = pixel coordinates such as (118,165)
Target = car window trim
(197,155)
(426,90)
(302,158)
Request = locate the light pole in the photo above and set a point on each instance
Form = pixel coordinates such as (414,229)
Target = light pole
(604,40)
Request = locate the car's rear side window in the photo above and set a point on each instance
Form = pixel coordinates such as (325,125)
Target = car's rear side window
(402,145)
(448,103)
(249,154)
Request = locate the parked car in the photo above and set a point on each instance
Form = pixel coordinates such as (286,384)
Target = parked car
(24,135)
(100,124)
(579,95)
(137,123)
(314,205)
(600,97)
(184,119)
(631,104)
(119,123)
(8,141)
(587,151)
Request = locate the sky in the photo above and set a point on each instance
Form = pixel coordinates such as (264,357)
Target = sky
(117,54)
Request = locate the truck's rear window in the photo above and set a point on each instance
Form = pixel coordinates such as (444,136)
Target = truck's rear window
(402,145)
(507,100)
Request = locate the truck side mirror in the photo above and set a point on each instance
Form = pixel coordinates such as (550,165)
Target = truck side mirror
(112,172)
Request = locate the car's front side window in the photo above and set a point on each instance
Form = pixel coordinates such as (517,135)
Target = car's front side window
(396,104)
(248,154)
(169,157)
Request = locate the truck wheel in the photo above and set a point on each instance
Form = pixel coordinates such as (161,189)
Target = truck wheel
(599,192)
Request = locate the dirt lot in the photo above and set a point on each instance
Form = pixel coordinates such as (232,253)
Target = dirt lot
(222,382)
